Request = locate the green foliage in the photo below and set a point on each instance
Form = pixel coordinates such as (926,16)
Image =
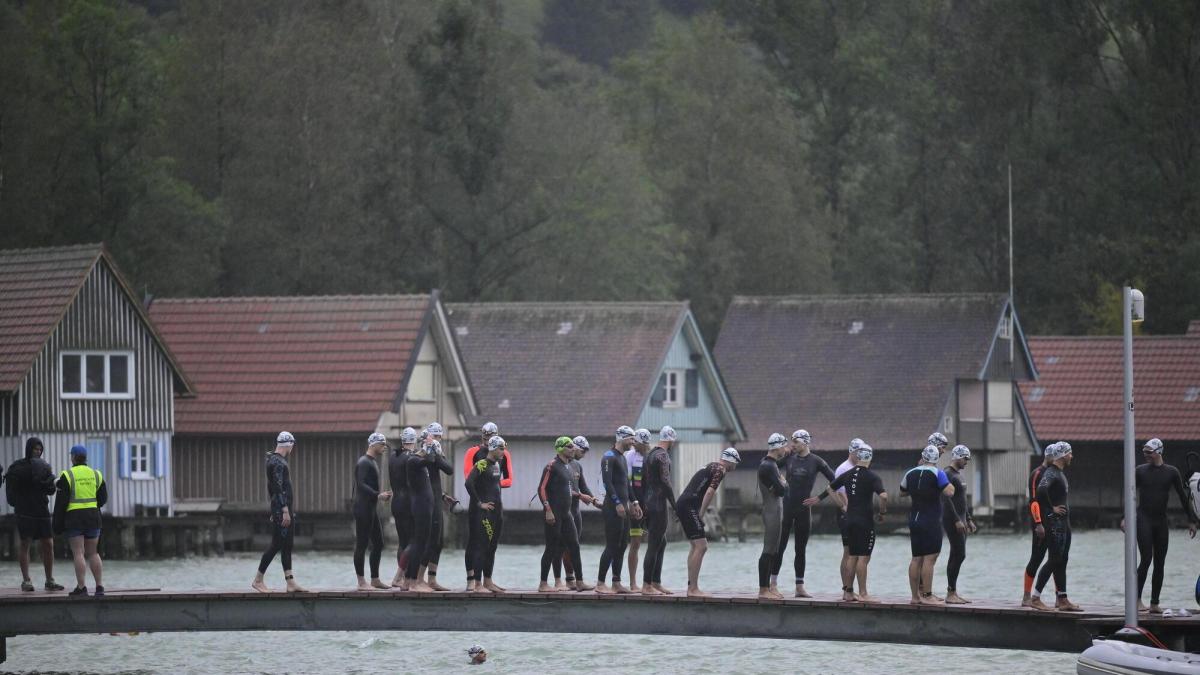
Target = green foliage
(616,149)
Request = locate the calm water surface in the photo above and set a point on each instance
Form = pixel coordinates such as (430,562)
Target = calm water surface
(993,570)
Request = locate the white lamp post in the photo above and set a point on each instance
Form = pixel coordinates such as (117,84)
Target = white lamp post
(1133,311)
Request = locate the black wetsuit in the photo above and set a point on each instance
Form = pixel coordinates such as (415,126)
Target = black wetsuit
(1052,491)
(614,473)
(401,508)
(433,551)
(924,485)
(279,490)
(554,490)
(801,474)
(691,498)
(368,529)
(772,488)
(1154,485)
(1037,550)
(861,485)
(955,510)
(483,484)
(659,495)
(421,506)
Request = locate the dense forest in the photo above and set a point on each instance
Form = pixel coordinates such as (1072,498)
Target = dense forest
(615,149)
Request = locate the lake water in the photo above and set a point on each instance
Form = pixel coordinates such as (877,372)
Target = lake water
(993,570)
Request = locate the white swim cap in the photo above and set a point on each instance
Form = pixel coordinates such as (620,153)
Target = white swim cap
(642,436)
(581,443)
(731,455)
(496,443)
(938,440)
(930,453)
(409,435)
(285,438)
(864,453)
(376,438)
(776,441)
(668,434)
(624,432)
(1154,445)
(489,428)
(802,436)
(435,429)
(961,452)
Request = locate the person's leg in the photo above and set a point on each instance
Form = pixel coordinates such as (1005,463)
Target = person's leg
(471,553)
(362,535)
(695,561)
(403,526)
(434,548)
(1037,552)
(570,544)
(860,570)
(23,559)
(496,519)
(557,567)
(847,574)
(1161,538)
(785,531)
(414,555)
(77,556)
(661,553)
(90,551)
(651,557)
(958,553)
(1062,603)
(46,544)
(803,530)
(268,556)
(1054,550)
(1145,547)
(550,553)
(376,550)
(635,543)
(927,564)
(914,579)
(611,536)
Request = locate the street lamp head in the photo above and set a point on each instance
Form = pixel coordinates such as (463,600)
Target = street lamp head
(1137,306)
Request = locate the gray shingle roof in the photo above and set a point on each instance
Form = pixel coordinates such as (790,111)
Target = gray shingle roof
(550,369)
(880,367)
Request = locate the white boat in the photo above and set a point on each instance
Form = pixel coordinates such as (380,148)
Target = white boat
(1110,657)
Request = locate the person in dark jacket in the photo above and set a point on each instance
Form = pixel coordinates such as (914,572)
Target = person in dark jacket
(81,494)
(283,515)
(30,483)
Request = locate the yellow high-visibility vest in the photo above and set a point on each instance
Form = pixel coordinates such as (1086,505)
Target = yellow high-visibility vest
(83,482)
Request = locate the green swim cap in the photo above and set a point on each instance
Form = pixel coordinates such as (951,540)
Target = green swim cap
(562,443)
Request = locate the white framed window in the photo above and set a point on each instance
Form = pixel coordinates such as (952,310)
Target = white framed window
(970,400)
(420,385)
(139,460)
(673,388)
(88,374)
(999,400)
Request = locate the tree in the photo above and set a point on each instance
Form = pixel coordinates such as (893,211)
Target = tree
(597,31)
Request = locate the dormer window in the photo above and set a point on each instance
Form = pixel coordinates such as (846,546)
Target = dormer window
(96,375)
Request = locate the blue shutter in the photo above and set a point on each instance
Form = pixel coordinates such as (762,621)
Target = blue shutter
(123,459)
(692,389)
(160,459)
(97,454)
(660,392)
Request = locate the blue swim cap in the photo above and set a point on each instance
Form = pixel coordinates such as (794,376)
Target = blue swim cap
(79,451)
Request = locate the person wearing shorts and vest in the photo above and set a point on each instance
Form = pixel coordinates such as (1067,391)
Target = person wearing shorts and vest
(81,493)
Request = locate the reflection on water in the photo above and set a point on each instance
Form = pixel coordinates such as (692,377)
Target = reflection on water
(993,570)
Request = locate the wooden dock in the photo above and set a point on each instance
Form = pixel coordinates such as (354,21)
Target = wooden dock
(980,624)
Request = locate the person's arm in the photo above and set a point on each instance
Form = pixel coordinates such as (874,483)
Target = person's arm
(1188,507)
(469,461)
(948,505)
(833,487)
(544,491)
(944,483)
(61,497)
(606,479)
(824,470)
(883,505)
(713,483)
(9,494)
(361,471)
(506,474)
(442,465)
(664,477)
(470,482)
(102,494)
(904,485)
(583,486)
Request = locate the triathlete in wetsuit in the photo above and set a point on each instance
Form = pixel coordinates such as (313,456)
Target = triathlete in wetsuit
(401,504)
(693,501)
(554,490)
(483,484)
(473,455)
(861,485)
(925,484)
(771,488)
(421,505)
(636,459)
(283,514)
(580,492)
(1037,550)
(614,473)
(368,528)
(659,496)
(1052,497)
(801,468)
(1155,481)
(433,550)
(956,522)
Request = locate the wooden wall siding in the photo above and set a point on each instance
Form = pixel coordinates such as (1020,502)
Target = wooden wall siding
(8,415)
(690,423)
(124,494)
(100,318)
(234,469)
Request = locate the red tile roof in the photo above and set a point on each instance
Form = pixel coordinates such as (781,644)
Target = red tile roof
(1079,396)
(328,364)
(878,367)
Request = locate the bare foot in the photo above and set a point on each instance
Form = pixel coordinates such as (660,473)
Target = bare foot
(603,589)
(697,593)
(649,590)
(634,588)
(420,587)
(915,601)
(480,589)
(260,586)
(293,587)
(1037,604)
(1142,607)
(399,585)
(620,589)
(493,587)
(953,598)
(580,586)
(471,585)
(1154,609)
(773,588)
(558,584)
(398,580)
(661,589)
(776,594)
(765,594)
(437,587)
(546,588)
(848,596)
(1026,601)
(376,583)
(801,592)
(364,586)
(932,599)
(1065,605)
(868,599)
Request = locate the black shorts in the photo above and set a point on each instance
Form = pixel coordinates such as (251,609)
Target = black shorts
(861,537)
(925,536)
(841,522)
(690,520)
(29,527)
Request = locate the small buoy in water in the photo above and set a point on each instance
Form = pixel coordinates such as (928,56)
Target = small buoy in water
(477,653)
